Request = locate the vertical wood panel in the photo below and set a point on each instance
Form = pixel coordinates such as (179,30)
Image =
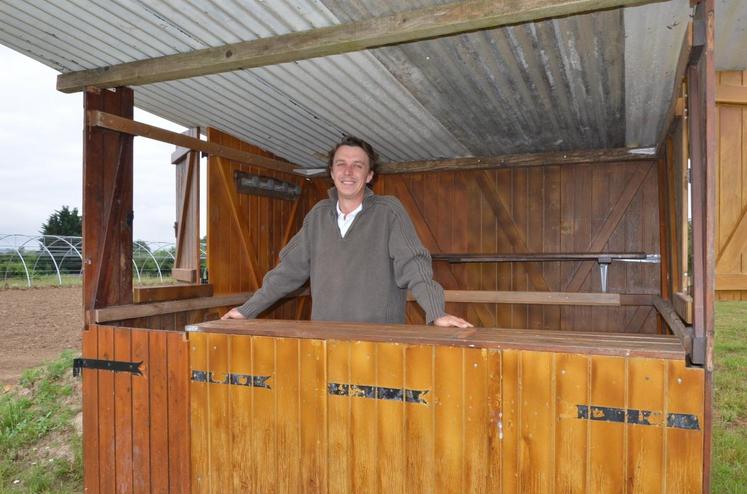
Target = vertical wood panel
(263,452)
(536,450)
(107,441)
(313,410)
(339,414)
(141,414)
(607,440)
(510,403)
(219,419)
(684,462)
(288,399)
(90,414)
(419,421)
(364,454)
(199,415)
(159,420)
(571,434)
(476,420)
(244,457)
(647,387)
(495,433)
(178,411)
(449,426)
(123,413)
(390,416)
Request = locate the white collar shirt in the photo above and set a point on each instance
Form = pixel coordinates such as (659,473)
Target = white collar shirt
(345,220)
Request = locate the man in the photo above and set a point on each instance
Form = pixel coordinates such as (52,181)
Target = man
(360,251)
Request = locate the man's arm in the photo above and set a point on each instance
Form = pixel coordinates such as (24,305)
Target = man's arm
(288,275)
(413,270)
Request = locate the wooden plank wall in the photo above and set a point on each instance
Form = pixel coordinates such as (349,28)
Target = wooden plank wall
(136,428)
(247,232)
(275,415)
(731,190)
(561,208)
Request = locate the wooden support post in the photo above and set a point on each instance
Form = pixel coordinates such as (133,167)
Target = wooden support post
(107,271)
(107,204)
(701,76)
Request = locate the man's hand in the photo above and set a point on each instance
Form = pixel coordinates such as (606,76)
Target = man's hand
(233,314)
(448,321)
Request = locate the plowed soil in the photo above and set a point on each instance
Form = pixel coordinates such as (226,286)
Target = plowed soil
(36,325)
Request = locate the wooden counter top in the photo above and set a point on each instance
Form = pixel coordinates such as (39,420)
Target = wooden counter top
(620,344)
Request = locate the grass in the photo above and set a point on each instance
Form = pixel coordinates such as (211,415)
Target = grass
(730,399)
(40,450)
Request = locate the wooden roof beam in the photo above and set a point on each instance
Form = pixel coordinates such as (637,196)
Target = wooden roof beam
(429,22)
(615,155)
(125,125)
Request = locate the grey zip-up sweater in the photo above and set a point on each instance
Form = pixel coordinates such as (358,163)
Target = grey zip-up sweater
(363,277)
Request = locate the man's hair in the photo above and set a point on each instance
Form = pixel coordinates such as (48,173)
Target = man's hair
(373,157)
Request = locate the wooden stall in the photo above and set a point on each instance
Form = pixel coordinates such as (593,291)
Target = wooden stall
(590,367)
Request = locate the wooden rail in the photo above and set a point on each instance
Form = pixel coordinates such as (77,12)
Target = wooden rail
(684,333)
(131,311)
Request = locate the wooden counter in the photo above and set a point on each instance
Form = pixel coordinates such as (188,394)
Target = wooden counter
(282,406)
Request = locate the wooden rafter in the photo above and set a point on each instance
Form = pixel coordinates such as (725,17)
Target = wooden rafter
(617,155)
(515,236)
(429,22)
(131,127)
(610,224)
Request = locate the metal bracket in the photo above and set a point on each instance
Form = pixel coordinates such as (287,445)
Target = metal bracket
(112,365)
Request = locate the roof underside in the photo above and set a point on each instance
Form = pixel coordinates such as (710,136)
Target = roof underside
(600,80)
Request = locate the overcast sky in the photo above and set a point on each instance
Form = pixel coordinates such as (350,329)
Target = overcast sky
(41,161)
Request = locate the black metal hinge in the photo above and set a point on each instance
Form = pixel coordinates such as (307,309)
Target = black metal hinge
(112,365)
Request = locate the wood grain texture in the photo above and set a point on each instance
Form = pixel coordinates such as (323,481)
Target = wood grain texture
(658,346)
(149,294)
(485,420)
(510,215)
(137,440)
(107,205)
(187,256)
(731,186)
(246,233)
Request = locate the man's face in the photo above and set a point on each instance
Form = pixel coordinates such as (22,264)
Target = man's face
(351,171)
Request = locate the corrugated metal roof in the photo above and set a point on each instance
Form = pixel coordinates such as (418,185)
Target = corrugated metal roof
(591,81)
(653,39)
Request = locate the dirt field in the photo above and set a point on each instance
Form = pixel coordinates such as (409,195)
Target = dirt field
(36,325)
